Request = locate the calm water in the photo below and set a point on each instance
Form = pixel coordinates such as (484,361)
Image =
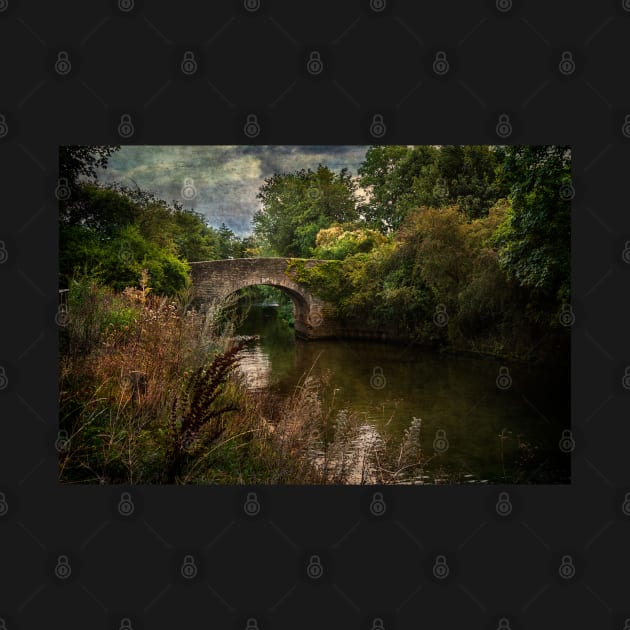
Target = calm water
(456,396)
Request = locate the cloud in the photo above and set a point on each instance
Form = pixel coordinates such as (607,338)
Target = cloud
(226,178)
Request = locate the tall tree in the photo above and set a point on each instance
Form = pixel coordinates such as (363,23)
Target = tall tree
(466,176)
(227,241)
(77,161)
(388,174)
(295,206)
(194,238)
(535,239)
(78,164)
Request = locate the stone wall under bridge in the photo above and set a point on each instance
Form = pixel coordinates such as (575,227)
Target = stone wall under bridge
(215,280)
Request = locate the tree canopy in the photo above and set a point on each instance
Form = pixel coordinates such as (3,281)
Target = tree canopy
(535,239)
(295,206)
(116,231)
(481,233)
(402,178)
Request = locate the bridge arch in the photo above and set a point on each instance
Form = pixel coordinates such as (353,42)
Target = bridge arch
(301,308)
(215,280)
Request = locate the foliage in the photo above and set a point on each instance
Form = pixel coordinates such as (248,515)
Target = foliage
(535,238)
(464,176)
(194,416)
(120,259)
(402,178)
(439,262)
(388,174)
(340,241)
(79,163)
(325,279)
(116,231)
(295,206)
(125,357)
(157,400)
(194,240)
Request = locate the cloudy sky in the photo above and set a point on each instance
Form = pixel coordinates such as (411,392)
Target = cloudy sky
(220,181)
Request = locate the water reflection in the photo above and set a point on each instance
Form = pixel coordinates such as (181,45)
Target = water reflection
(255,367)
(490,432)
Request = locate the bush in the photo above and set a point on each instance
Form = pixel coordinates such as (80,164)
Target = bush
(325,279)
(339,242)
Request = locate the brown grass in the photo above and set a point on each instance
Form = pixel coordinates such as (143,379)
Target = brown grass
(148,394)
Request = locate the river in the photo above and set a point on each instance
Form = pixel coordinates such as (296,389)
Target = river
(493,434)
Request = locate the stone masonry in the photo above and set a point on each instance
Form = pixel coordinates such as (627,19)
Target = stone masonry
(215,280)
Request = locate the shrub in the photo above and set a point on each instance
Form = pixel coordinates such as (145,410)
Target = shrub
(325,279)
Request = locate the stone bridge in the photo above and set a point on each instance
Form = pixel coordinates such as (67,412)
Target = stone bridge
(215,280)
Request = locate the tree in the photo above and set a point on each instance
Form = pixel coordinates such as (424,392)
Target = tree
(78,164)
(76,161)
(194,238)
(225,237)
(117,231)
(248,247)
(388,174)
(340,241)
(535,238)
(465,176)
(295,206)
(101,209)
(400,179)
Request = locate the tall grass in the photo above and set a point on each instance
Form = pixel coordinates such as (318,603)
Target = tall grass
(149,393)
(124,358)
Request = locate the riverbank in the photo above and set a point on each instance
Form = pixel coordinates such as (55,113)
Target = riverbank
(489,409)
(559,358)
(442,281)
(148,394)
(555,353)
(151,392)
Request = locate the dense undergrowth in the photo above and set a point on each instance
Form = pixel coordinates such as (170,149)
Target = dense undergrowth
(438,281)
(149,394)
